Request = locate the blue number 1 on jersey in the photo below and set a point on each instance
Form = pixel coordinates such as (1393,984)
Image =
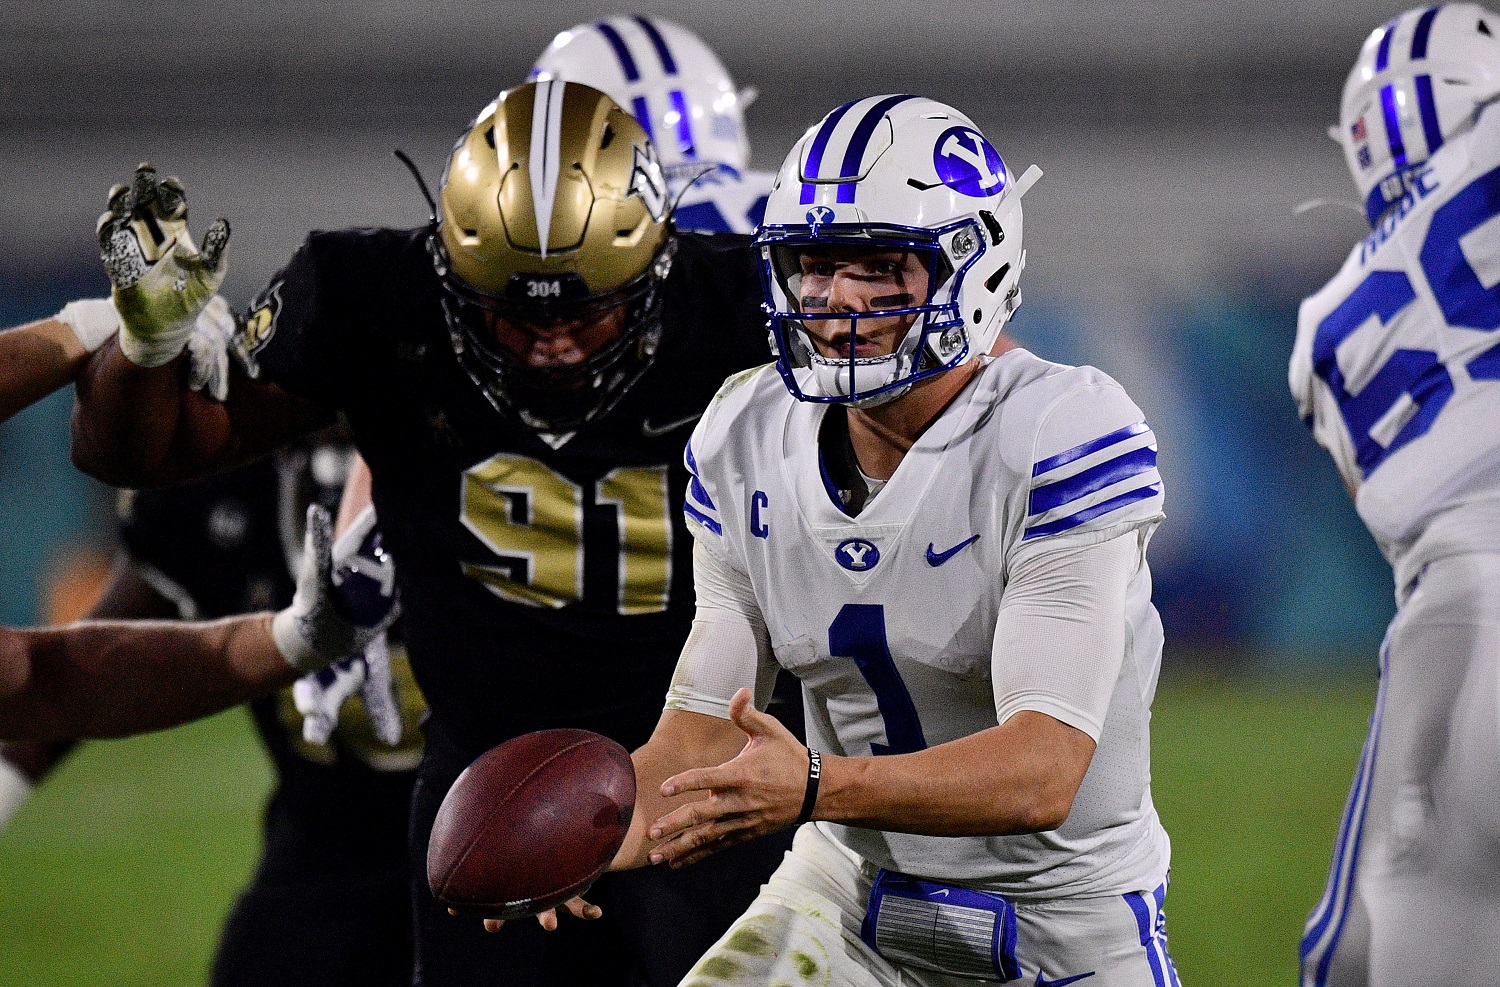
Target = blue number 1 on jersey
(858,633)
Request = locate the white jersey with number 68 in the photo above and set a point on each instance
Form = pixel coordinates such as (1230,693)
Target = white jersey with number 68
(1396,367)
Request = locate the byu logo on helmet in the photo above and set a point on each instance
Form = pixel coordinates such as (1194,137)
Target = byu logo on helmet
(818,215)
(969,164)
(857,554)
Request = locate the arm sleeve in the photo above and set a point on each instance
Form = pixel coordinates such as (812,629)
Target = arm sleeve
(285,335)
(728,647)
(1061,634)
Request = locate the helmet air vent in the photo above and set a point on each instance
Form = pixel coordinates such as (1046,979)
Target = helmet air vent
(607,138)
(1484,29)
(489,137)
(993,281)
(997,235)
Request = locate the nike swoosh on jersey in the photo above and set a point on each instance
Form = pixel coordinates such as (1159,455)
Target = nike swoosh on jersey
(936,558)
(1042,981)
(651,431)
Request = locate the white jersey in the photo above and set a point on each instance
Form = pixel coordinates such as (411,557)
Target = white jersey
(1396,366)
(725,200)
(889,618)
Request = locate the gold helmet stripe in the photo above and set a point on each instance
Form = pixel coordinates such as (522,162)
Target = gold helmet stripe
(546,141)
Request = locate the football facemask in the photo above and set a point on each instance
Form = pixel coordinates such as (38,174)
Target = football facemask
(553,219)
(902,174)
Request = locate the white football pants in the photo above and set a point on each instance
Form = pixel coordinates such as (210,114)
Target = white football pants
(804,929)
(1413,896)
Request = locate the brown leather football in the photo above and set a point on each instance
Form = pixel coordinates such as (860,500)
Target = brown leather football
(531,823)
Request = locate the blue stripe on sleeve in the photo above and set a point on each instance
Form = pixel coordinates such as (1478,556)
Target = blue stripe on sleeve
(696,491)
(1091,480)
(1089,513)
(1092,446)
(696,515)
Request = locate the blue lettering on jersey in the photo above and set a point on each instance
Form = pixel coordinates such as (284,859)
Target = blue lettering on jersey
(857,554)
(758,527)
(1414,375)
(1420,185)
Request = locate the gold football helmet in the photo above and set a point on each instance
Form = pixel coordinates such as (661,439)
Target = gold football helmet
(553,238)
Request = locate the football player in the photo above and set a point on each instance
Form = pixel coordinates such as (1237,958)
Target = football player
(113,678)
(1396,370)
(677,88)
(520,376)
(948,549)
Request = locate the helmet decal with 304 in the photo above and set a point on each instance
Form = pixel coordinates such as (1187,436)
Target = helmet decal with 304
(914,182)
(553,212)
(1419,81)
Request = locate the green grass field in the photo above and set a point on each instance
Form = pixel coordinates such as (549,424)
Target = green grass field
(119,871)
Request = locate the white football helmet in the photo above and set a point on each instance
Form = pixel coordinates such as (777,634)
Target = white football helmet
(667,78)
(905,173)
(1418,82)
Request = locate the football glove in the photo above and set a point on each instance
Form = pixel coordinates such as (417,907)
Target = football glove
(346,594)
(320,696)
(161,280)
(15,788)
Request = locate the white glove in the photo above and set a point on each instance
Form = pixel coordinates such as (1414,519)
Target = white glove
(15,788)
(346,594)
(93,321)
(208,349)
(161,280)
(321,695)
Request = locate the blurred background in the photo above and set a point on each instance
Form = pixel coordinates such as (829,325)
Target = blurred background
(1176,137)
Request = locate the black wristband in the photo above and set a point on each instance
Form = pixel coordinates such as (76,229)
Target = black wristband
(810,799)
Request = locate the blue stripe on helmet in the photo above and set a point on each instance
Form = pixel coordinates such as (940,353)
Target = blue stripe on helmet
(854,155)
(1392,125)
(819,145)
(1424,29)
(642,112)
(684,124)
(1383,56)
(668,63)
(627,61)
(1427,107)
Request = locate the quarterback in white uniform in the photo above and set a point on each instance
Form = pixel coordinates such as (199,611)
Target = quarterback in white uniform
(678,89)
(948,549)
(1396,369)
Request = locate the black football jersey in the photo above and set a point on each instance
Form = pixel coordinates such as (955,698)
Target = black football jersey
(541,586)
(217,548)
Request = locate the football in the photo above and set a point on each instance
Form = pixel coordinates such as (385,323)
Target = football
(531,823)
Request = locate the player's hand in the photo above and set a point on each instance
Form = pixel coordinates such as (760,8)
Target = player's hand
(757,792)
(320,696)
(161,280)
(346,593)
(576,907)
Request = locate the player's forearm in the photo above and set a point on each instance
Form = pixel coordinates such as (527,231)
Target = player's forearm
(35,360)
(127,419)
(1017,778)
(107,679)
(681,741)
